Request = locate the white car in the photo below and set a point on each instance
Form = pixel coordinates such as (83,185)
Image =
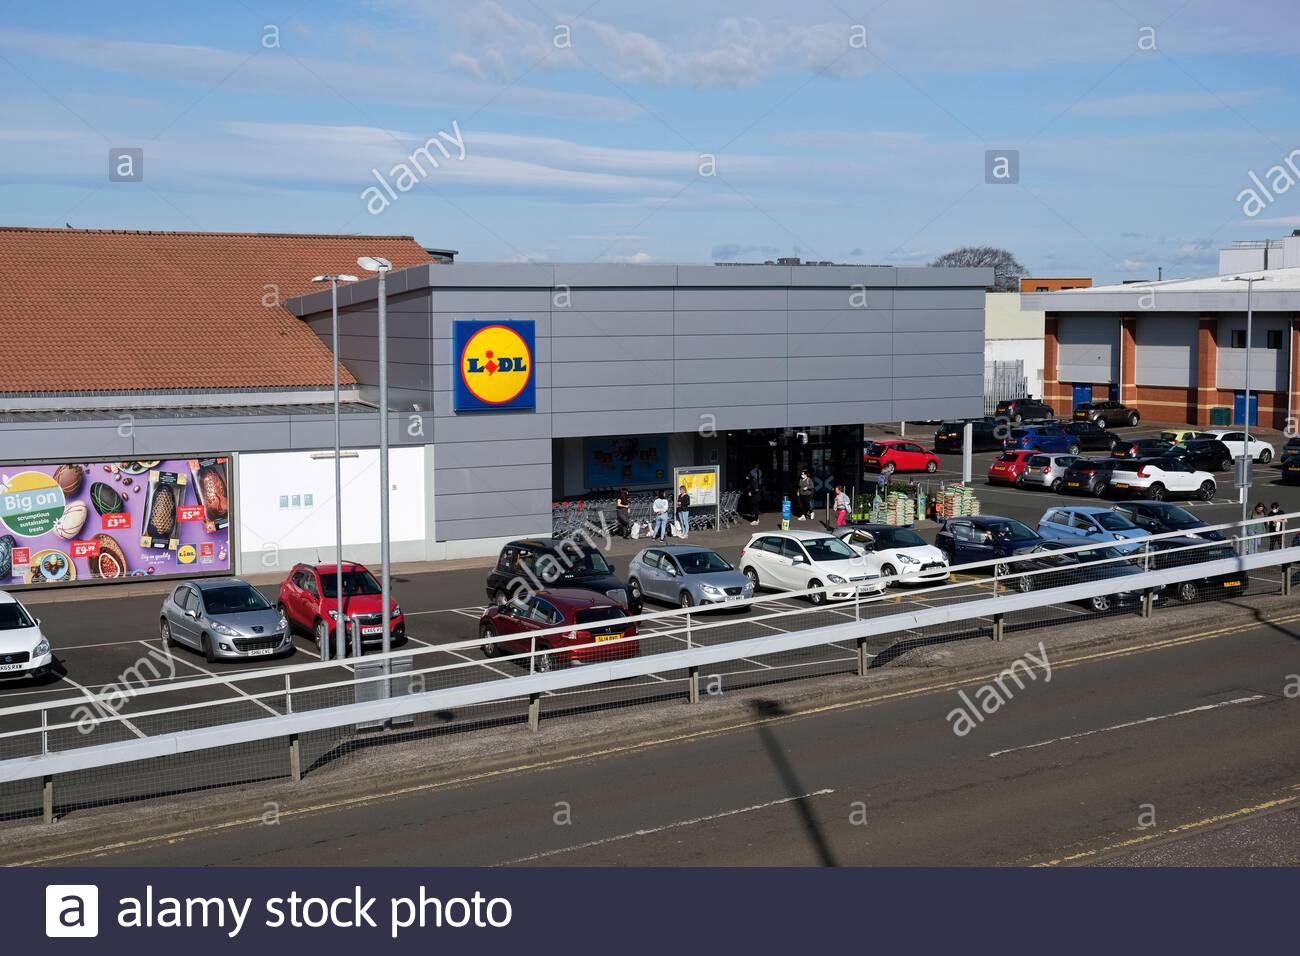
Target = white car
(1260,451)
(24,651)
(800,560)
(897,554)
(1046,471)
(1160,478)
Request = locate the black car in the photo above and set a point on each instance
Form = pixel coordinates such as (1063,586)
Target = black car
(966,540)
(1181,552)
(1141,448)
(1018,409)
(1090,436)
(1203,454)
(1292,446)
(535,564)
(1057,570)
(986,435)
(1106,413)
(1291,470)
(1087,476)
(1160,517)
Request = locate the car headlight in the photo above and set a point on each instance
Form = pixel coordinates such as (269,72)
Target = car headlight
(333,615)
(835,579)
(397,610)
(42,649)
(617,594)
(284,622)
(224,629)
(908,559)
(710,589)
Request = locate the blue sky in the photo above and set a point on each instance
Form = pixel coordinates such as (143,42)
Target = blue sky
(584,126)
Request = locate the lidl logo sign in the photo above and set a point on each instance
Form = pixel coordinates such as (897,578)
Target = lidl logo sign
(494,365)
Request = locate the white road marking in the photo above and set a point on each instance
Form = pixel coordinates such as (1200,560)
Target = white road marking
(1132,723)
(100,708)
(649,831)
(203,670)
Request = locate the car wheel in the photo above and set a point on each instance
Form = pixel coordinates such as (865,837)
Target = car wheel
(1225,465)
(1132,419)
(500,599)
(1055,485)
(1017,419)
(1207,491)
(486,633)
(685,599)
(544,663)
(1024,584)
(888,571)
(1020,481)
(1100,603)
(752,577)
(634,586)
(818,596)
(931,466)
(1187,591)
(1156,492)
(165,631)
(1265,456)
(888,468)
(1073,449)
(209,653)
(1001,569)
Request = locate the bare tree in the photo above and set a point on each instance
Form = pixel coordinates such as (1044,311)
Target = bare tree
(1007,270)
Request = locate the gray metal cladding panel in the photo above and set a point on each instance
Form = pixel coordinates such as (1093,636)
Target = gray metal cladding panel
(417,376)
(723,419)
(579,424)
(615,373)
(938,387)
(168,438)
(491,426)
(939,320)
(492,504)
(468,529)
(365,348)
(844,366)
(484,454)
(706,322)
(840,320)
(365,323)
(926,409)
(566,323)
(924,343)
(504,274)
(947,364)
(733,275)
(724,300)
(840,413)
(840,390)
(979,278)
(617,300)
(605,348)
(938,299)
(443,403)
(843,276)
(842,297)
(492,300)
(840,343)
(772,392)
(1166,350)
(729,370)
(1088,348)
(730,347)
(48,442)
(441,321)
(604,398)
(492,479)
(357,431)
(610,274)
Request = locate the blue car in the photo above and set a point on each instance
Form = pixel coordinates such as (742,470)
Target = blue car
(1080,525)
(1045,438)
(965,540)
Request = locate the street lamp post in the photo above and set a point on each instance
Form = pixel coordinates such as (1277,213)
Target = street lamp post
(340,623)
(382,267)
(1246,465)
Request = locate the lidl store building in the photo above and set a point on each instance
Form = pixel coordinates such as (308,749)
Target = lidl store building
(180,381)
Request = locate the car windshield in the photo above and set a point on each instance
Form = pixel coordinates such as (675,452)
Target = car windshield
(586,563)
(1012,530)
(233,598)
(875,448)
(702,562)
(828,549)
(1038,461)
(594,615)
(13,617)
(1113,522)
(1176,517)
(1019,432)
(898,538)
(1098,554)
(354,582)
(1008,456)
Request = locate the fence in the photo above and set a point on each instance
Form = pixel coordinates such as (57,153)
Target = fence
(1003,381)
(287,721)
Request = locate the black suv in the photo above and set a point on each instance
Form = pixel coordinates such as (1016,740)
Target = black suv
(1203,454)
(1090,436)
(986,435)
(1018,409)
(1087,476)
(1106,413)
(536,564)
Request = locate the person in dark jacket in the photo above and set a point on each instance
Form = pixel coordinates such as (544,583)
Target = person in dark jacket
(684,511)
(623,512)
(805,494)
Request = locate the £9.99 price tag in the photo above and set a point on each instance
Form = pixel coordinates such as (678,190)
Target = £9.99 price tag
(85,549)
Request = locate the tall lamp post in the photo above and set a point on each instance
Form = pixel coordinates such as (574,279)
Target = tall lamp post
(340,624)
(1246,465)
(382,267)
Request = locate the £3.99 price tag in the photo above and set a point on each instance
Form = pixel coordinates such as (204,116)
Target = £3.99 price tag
(85,549)
(117,522)
(189,513)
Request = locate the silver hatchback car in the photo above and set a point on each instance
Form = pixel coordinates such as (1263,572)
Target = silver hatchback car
(226,619)
(1046,471)
(687,576)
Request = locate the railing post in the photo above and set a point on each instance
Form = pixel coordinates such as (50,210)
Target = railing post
(534,712)
(295,759)
(45,732)
(532,658)
(288,694)
(1286,579)
(997,627)
(996,578)
(690,642)
(862,657)
(47,799)
(1148,596)
(693,684)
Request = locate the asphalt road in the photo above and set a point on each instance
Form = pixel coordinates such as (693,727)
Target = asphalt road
(1118,747)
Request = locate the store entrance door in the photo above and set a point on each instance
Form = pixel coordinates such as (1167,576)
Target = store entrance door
(832,454)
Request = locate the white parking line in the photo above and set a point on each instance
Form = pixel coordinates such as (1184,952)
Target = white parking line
(203,670)
(90,694)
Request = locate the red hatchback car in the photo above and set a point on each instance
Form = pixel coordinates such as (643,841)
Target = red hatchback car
(900,455)
(308,598)
(1009,466)
(597,622)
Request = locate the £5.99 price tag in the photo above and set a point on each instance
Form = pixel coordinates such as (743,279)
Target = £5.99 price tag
(189,513)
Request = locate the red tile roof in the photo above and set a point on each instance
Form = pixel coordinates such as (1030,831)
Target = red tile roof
(106,311)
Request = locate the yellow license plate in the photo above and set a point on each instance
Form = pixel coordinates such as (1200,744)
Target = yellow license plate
(1120,484)
(1232,584)
(1072,484)
(607,637)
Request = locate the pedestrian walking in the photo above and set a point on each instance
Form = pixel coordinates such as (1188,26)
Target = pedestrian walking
(623,512)
(684,511)
(841,507)
(660,511)
(805,494)
(1255,529)
(755,488)
(1276,527)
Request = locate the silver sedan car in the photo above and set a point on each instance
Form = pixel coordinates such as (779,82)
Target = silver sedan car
(1046,471)
(226,619)
(686,575)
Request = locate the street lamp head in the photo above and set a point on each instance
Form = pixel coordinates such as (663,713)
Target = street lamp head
(374,263)
(342,277)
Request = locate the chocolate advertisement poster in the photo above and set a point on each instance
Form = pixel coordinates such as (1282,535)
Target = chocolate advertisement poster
(73,522)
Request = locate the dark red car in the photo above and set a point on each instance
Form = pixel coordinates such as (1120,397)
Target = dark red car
(596,621)
(308,598)
(900,455)
(1009,466)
